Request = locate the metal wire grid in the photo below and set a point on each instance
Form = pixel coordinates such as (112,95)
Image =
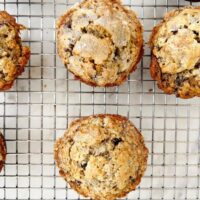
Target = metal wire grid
(46,98)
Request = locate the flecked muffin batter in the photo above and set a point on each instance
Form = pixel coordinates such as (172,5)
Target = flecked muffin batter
(175,46)
(13,56)
(2,151)
(102,157)
(100,42)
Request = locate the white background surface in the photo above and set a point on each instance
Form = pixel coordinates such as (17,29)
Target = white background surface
(46,98)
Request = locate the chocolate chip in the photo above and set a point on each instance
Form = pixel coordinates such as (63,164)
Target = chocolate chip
(114,187)
(116,141)
(196,33)
(10,49)
(180,79)
(71,46)
(84,30)
(5,35)
(84,165)
(197,66)
(158,48)
(68,24)
(185,26)
(132,179)
(117,52)
(69,51)
(175,32)
(2,75)
(197,38)
(77,182)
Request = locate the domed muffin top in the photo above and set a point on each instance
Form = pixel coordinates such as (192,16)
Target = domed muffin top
(102,156)
(13,56)
(100,42)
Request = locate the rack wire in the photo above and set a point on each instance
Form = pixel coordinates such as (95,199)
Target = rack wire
(46,98)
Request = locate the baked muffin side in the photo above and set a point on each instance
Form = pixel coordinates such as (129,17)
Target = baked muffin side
(13,56)
(100,42)
(102,157)
(175,44)
(2,151)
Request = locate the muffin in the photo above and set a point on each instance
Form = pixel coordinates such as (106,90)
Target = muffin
(2,151)
(13,56)
(100,42)
(102,157)
(175,44)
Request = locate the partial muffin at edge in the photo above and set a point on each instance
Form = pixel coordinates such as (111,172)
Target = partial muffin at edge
(100,42)
(102,156)
(175,44)
(2,151)
(13,56)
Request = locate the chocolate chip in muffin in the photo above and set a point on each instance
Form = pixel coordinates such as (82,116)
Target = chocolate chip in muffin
(132,179)
(84,165)
(180,79)
(116,141)
(68,24)
(174,32)
(117,53)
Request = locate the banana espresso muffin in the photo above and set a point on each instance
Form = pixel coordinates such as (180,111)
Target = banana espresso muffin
(13,56)
(102,157)
(175,44)
(2,151)
(100,42)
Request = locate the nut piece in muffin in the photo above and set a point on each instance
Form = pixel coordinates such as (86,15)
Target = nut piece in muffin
(175,44)
(2,151)
(13,56)
(100,42)
(102,157)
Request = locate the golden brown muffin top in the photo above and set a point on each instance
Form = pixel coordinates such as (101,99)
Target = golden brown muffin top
(13,56)
(102,156)
(177,42)
(100,41)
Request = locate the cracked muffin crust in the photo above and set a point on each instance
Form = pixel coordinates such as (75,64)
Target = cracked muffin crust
(2,151)
(175,44)
(13,56)
(102,156)
(100,42)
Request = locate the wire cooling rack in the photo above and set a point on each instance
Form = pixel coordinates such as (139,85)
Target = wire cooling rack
(46,98)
